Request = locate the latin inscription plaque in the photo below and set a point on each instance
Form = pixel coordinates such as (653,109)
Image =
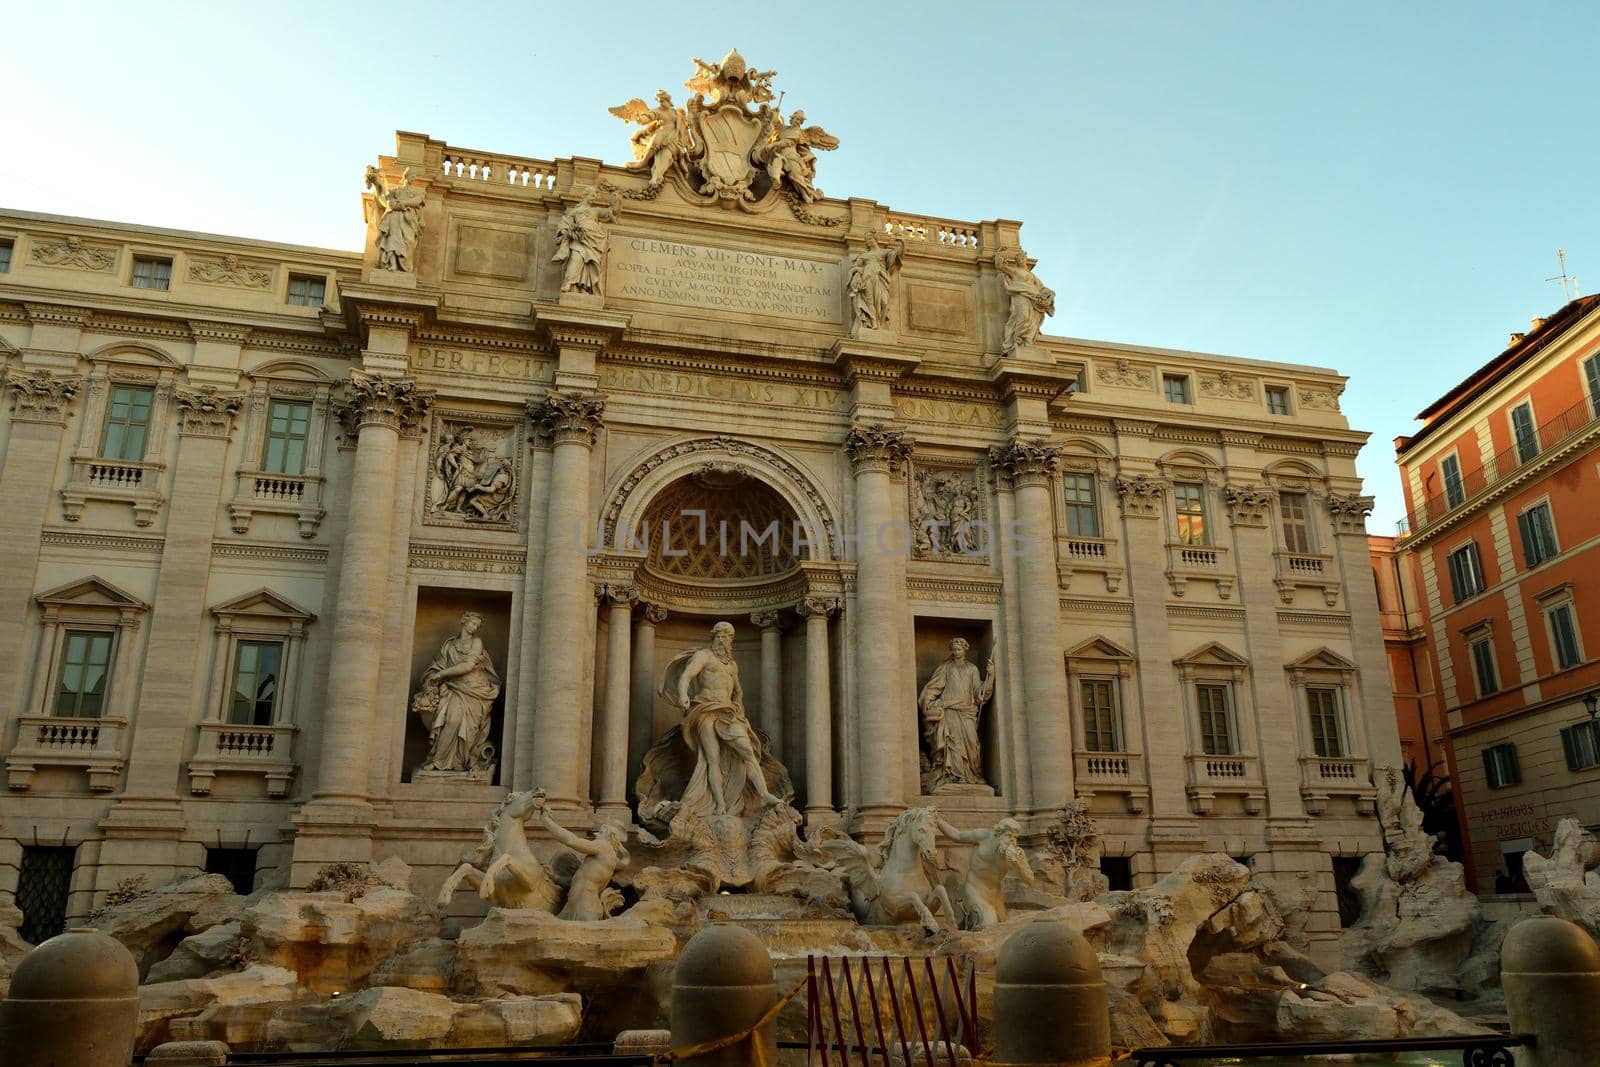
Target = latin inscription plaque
(701,276)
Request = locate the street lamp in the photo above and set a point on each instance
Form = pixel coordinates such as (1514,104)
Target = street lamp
(1591,703)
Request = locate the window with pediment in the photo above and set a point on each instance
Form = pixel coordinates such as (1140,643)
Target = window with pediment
(286,427)
(122,435)
(1089,535)
(1222,760)
(1106,748)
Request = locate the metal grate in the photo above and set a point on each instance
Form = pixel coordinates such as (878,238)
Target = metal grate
(42,887)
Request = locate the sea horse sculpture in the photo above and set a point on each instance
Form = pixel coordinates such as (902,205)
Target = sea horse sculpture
(901,884)
(503,868)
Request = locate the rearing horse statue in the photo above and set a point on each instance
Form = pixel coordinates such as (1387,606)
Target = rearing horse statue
(503,868)
(902,885)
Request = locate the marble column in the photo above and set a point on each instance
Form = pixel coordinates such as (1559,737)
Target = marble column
(641,718)
(770,719)
(380,407)
(875,450)
(39,402)
(819,709)
(1031,465)
(572,421)
(619,601)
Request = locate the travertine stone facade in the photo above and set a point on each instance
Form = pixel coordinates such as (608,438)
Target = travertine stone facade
(1155,561)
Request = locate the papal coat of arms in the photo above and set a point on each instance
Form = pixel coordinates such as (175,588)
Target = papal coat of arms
(730,144)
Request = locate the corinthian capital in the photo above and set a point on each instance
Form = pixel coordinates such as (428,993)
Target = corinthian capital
(393,402)
(1026,459)
(877,446)
(568,417)
(41,396)
(1350,511)
(206,411)
(818,606)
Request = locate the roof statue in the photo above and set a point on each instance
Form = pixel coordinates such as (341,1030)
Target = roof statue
(729,144)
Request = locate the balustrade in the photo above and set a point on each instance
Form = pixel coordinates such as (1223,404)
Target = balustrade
(1112,772)
(467,165)
(243,749)
(1211,776)
(94,745)
(1322,777)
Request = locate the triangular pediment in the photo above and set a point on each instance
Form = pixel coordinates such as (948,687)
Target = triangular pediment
(263,603)
(1212,654)
(90,592)
(1099,648)
(1322,659)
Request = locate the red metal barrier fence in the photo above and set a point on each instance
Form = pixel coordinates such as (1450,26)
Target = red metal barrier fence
(868,1005)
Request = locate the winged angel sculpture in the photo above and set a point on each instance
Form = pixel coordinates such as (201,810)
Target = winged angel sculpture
(719,146)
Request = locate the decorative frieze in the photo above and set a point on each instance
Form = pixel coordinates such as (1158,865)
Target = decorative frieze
(41,396)
(1140,494)
(1125,375)
(1224,385)
(393,402)
(1350,511)
(206,411)
(949,515)
(1248,505)
(430,556)
(473,470)
(1324,398)
(230,270)
(70,251)
(878,447)
(568,417)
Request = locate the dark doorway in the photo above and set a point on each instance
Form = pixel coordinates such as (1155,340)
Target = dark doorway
(1345,869)
(42,886)
(1118,871)
(237,865)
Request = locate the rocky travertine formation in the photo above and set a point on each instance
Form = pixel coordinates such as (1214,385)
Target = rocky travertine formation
(1565,883)
(12,947)
(152,923)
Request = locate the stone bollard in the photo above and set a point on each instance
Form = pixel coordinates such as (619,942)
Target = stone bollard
(1049,999)
(1550,969)
(74,1002)
(722,985)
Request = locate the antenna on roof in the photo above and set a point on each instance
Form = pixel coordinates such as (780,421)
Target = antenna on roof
(1569,284)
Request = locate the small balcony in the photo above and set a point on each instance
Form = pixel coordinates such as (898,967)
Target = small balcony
(1112,772)
(94,745)
(1185,563)
(1214,776)
(1322,777)
(125,481)
(1306,570)
(229,748)
(1099,555)
(262,492)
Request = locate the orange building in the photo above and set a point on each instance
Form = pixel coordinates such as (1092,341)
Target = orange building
(1502,487)
(1417,710)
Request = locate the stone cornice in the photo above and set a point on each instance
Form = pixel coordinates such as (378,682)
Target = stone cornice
(232,333)
(864,361)
(206,411)
(576,328)
(59,314)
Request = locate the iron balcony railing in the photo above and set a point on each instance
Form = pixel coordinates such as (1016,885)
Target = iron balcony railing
(1506,464)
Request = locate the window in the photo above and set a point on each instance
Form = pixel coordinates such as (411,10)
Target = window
(1102,725)
(1454,492)
(127,422)
(1591,376)
(1118,871)
(1538,534)
(288,430)
(307,290)
(5,255)
(152,272)
(1500,765)
(237,865)
(1083,513)
(1216,720)
(1176,388)
(1277,400)
(1190,501)
(1466,573)
(1483,668)
(1080,384)
(256,671)
(1578,743)
(43,882)
(1345,869)
(81,681)
(1564,635)
(1296,528)
(1522,429)
(1327,739)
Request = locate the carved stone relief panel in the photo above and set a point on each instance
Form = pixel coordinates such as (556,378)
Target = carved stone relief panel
(949,513)
(474,470)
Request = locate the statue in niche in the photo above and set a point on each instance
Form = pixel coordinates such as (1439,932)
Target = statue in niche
(471,480)
(582,240)
(458,689)
(951,702)
(869,283)
(787,151)
(662,141)
(714,762)
(1031,299)
(996,853)
(399,220)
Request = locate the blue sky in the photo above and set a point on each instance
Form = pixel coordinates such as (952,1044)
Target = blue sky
(1376,188)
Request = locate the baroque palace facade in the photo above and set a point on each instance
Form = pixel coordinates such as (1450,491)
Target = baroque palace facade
(313,555)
